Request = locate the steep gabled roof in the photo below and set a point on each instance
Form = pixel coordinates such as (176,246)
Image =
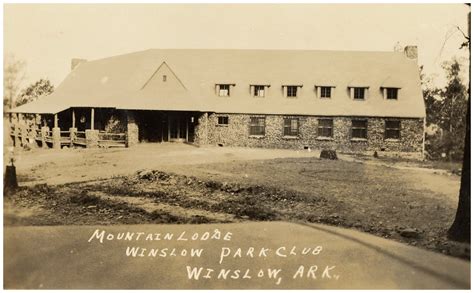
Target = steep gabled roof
(124,82)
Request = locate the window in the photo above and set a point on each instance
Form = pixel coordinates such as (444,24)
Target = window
(224,90)
(291,91)
(259,91)
(164,77)
(392,129)
(325,92)
(359,93)
(222,120)
(257,126)
(325,127)
(359,129)
(392,93)
(290,126)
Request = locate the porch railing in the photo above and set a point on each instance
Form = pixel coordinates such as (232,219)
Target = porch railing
(80,138)
(108,139)
(105,139)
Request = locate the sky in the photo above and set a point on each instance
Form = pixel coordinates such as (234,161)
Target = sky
(48,36)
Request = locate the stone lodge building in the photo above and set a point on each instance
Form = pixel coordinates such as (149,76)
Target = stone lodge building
(342,100)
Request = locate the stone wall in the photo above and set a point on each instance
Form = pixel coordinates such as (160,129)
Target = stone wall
(201,133)
(236,133)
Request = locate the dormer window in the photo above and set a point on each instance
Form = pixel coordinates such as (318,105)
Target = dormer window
(223,90)
(258,90)
(324,92)
(291,91)
(359,93)
(390,93)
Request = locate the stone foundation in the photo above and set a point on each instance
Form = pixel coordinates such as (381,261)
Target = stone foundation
(236,133)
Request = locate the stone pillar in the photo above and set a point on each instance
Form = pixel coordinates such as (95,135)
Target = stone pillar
(132,129)
(16,139)
(92,138)
(32,136)
(24,134)
(72,135)
(44,134)
(56,138)
(201,130)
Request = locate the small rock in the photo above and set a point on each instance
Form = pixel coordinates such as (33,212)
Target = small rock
(328,154)
(410,233)
(146,174)
(91,207)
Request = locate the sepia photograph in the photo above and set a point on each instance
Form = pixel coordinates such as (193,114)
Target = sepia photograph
(236,146)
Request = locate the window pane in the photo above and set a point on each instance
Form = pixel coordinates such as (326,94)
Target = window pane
(291,91)
(223,120)
(359,93)
(325,92)
(325,127)
(392,124)
(325,122)
(290,126)
(392,93)
(392,133)
(224,90)
(392,129)
(259,91)
(359,123)
(257,125)
(359,128)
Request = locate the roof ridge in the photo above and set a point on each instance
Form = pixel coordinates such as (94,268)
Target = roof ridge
(247,50)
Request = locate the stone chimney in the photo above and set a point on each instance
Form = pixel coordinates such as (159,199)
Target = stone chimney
(411,52)
(75,62)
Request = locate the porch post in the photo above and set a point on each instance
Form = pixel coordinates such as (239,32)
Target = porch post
(23,129)
(73,129)
(44,135)
(56,135)
(169,128)
(73,119)
(187,129)
(16,131)
(92,118)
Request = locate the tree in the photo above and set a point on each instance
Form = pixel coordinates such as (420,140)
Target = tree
(34,91)
(13,75)
(446,111)
(460,230)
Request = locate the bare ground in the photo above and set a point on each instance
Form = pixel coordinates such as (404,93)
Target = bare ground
(178,186)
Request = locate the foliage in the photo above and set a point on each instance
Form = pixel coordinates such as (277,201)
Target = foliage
(13,75)
(446,114)
(34,91)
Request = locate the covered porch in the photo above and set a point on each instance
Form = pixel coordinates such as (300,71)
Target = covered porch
(103,127)
(82,127)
